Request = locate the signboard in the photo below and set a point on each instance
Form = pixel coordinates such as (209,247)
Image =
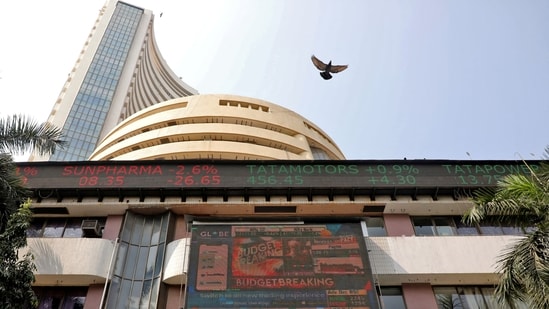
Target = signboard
(271,174)
(281,266)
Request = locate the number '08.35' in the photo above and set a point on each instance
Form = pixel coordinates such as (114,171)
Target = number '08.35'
(86,181)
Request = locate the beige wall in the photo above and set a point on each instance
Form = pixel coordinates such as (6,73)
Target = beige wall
(438,260)
(176,262)
(215,127)
(70,261)
(445,260)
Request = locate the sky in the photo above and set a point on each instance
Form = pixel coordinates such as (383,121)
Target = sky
(427,79)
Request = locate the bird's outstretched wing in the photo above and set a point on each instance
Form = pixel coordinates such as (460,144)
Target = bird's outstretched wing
(338,68)
(318,64)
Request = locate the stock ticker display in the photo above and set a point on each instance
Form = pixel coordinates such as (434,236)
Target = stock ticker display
(275,174)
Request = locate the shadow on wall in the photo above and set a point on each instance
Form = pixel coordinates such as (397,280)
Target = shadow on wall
(381,261)
(45,258)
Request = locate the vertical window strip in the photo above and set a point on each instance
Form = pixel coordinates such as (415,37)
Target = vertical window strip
(104,72)
(138,266)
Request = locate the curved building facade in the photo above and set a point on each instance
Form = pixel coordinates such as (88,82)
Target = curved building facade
(225,127)
(119,72)
(224,201)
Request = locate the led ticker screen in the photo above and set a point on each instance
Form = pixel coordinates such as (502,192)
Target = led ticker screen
(281,174)
(282,266)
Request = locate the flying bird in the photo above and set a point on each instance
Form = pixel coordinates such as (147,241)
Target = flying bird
(327,68)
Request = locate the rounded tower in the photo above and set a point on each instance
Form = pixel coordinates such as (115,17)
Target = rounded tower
(226,127)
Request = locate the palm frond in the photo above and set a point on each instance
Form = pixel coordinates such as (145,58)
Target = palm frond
(523,267)
(20,134)
(517,200)
(522,201)
(12,191)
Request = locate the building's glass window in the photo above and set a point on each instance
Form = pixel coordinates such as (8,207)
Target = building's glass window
(319,154)
(63,227)
(512,230)
(391,298)
(92,103)
(424,226)
(375,226)
(139,261)
(488,228)
(452,225)
(467,297)
(54,228)
(444,226)
(465,229)
(35,228)
(73,228)
(61,297)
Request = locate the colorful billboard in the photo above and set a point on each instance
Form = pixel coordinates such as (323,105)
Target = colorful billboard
(279,266)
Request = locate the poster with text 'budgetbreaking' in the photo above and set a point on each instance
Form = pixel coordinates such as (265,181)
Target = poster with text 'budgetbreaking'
(280,266)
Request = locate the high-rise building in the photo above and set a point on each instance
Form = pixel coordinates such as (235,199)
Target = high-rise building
(222,201)
(120,71)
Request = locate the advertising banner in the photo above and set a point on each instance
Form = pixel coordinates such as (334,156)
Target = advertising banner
(280,266)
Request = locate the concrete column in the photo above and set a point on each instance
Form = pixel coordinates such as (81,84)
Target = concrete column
(175,296)
(419,296)
(180,228)
(398,225)
(112,227)
(93,298)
